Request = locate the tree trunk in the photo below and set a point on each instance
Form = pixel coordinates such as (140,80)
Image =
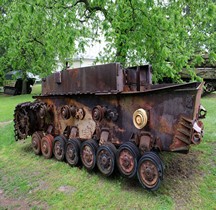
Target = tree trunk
(24,83)
(24,86)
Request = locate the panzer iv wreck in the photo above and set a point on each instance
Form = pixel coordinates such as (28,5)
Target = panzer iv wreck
(106,117)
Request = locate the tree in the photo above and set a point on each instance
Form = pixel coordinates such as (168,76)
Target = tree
(164,34)
(167,34)
(35,37)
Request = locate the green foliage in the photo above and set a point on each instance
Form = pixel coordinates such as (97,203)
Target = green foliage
(34,35)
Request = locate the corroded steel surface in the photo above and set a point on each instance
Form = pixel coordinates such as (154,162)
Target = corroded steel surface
(95,106)
(103,78)
(109,78)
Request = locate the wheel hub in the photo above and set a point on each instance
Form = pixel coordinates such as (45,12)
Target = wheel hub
(45,148)
(23,122)
(149,174)
(87,155)
(104,160)
(58,150)
(34,143)
(71,153)
(126,161)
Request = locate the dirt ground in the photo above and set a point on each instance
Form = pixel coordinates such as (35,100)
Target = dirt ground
(9,203)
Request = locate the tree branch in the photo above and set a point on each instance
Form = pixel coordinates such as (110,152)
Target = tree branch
(34,39)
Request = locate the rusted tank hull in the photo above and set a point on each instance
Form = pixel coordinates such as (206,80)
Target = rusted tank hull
(167,107)
(123,123)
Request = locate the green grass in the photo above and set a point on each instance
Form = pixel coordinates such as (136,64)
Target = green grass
(189,182)
(8,103)
(208,147)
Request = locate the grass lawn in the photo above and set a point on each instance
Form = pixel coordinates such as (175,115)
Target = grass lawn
(8,103)
(28,181)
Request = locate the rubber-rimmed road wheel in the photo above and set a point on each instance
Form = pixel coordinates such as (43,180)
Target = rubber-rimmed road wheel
(47,146)
(149,171)
(88,153)
(106,159)
(159,161)
(127,158)
(73,152)
(36,142)
(59,147)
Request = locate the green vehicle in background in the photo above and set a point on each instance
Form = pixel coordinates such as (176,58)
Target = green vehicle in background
(206,71)
(13,83)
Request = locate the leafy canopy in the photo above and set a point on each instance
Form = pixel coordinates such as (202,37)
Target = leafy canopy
(36,35)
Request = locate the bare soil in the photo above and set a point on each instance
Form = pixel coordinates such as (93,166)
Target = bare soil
(9,203)
(183,174)
(18,204)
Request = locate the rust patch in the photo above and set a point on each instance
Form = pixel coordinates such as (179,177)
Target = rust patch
(165,125)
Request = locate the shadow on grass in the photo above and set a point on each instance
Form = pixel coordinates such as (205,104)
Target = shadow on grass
(181,173)
(25,146)
(209,95)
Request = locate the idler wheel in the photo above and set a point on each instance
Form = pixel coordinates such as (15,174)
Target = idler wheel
(88,153)
(150,171)
(127,158)
(47,146)
(36,142)
(106,159)
(73,152)
(59,147)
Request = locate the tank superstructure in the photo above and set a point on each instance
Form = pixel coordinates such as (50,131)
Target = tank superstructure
(108,116)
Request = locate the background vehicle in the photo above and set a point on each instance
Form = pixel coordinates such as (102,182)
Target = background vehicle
(13,83)
(207,73)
